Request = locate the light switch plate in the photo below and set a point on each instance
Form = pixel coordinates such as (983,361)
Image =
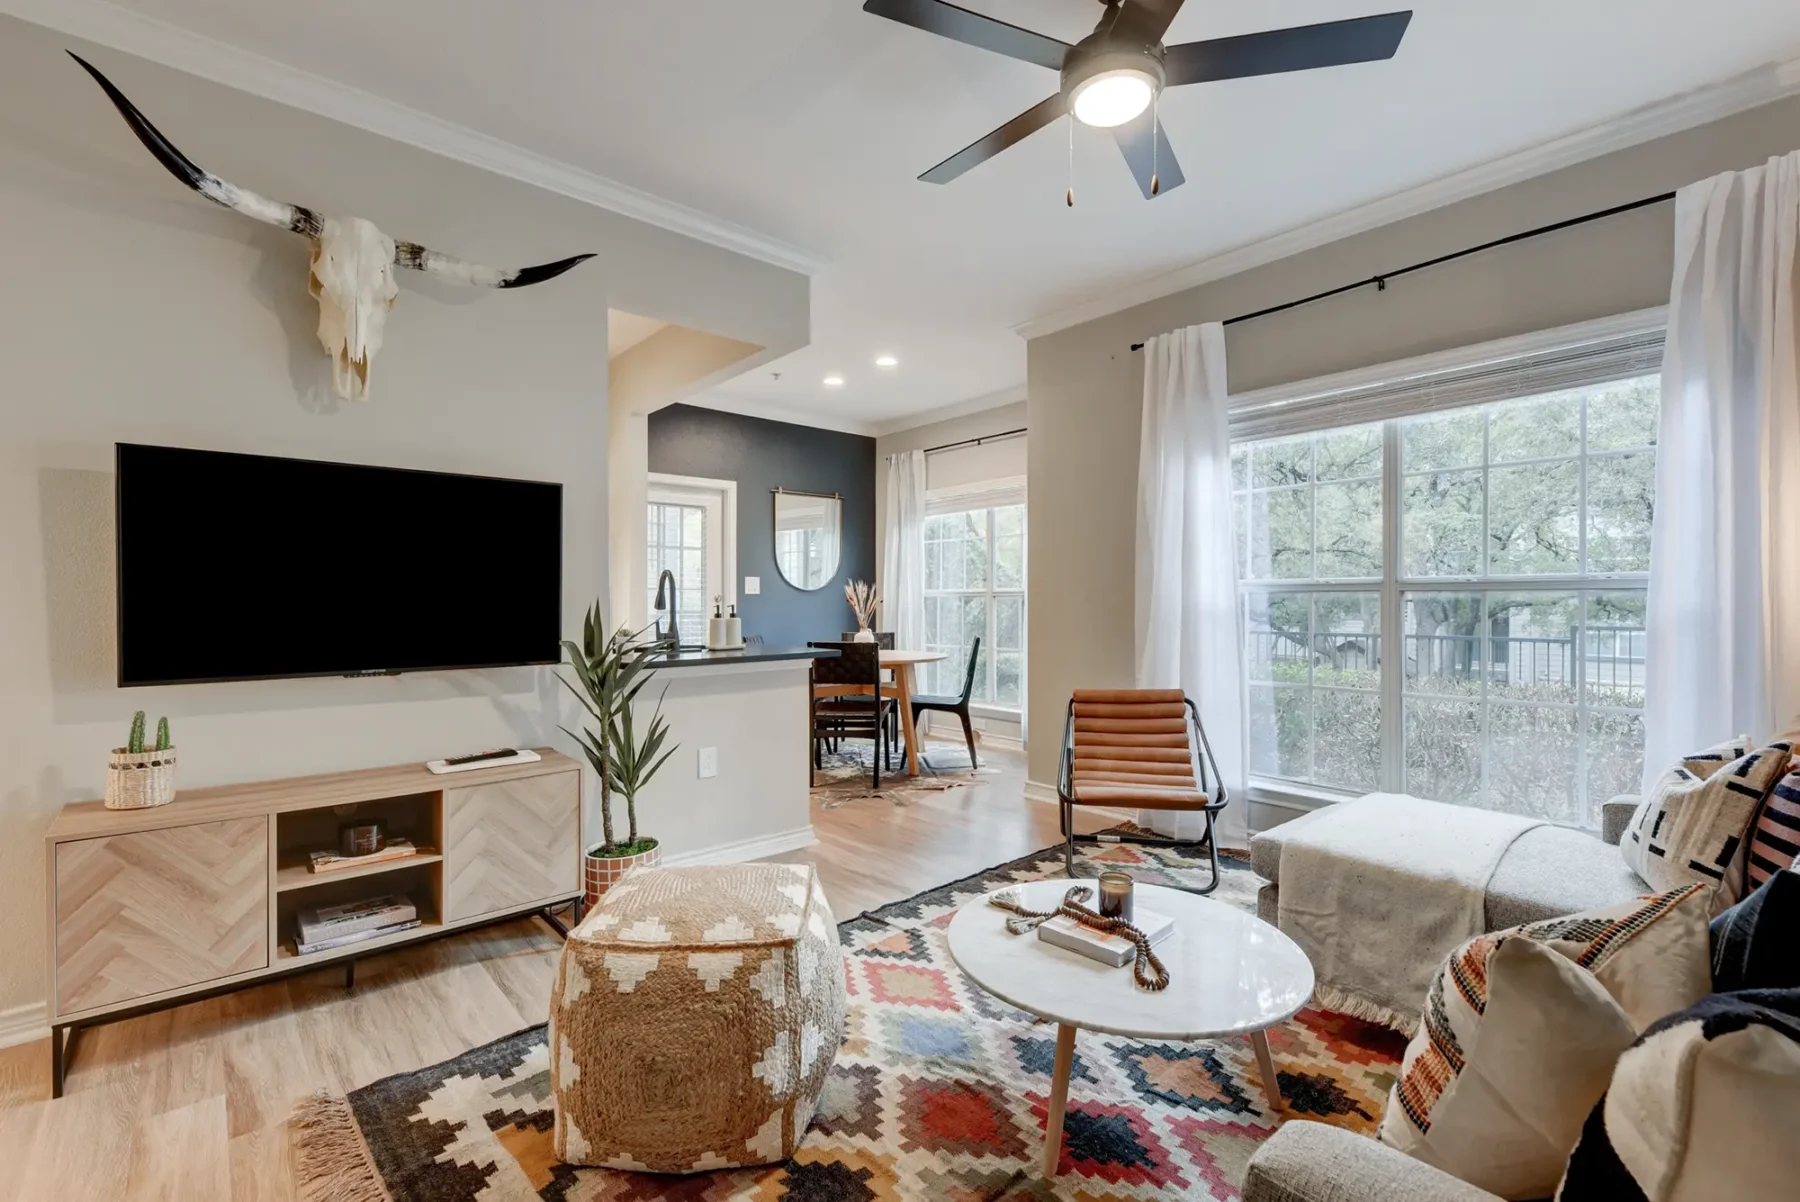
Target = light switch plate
(709,762)
(752,585)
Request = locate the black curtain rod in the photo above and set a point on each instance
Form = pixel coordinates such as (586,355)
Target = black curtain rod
(1380,282)
(975,442)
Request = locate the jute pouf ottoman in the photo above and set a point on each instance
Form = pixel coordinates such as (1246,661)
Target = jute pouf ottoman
(695,1014)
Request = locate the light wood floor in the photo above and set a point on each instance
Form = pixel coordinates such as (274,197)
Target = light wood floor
(190,1104)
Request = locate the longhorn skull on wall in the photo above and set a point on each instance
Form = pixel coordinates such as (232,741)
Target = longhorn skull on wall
(352,261)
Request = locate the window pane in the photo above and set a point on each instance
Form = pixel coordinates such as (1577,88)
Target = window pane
(1009,547)
(1442,441)
(1443,749)
(1280,461)
(1280,731)
(1624,415)
(1540,428)
(1615,759)
(1531,646)
(1347,739)
(1009,669)
(1533,519)
(1009,623)
(1621,500)
(1280,637)
(1349,530)
(1441,524)
(1443,643)
(1282,526)
(693,525)
(1240,466)
(1347,454)
(1613,653)
(1534,768)
(1240,536)
(1346,641)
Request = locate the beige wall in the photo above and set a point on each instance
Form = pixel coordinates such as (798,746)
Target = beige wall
(132,310)
(1085,385)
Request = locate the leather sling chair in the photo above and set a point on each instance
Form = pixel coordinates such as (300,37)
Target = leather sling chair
(1138,749)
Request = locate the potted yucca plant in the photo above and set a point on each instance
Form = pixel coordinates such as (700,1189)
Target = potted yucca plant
(610,671)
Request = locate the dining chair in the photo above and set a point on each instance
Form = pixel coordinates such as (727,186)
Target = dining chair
(849,701)
(944,703)
(1138,749)
(884,639)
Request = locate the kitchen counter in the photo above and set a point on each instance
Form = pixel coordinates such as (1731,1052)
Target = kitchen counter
(753,654)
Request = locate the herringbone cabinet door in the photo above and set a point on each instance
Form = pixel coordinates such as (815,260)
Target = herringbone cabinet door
(510,843)
(140,913)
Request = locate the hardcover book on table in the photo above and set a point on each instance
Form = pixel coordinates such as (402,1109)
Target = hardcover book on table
(1115,950)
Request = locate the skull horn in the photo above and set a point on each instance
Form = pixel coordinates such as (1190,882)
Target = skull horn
(291,217)
(419,258)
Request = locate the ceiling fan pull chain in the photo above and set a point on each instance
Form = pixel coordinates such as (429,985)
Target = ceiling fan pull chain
(1155,141)
(1071,194)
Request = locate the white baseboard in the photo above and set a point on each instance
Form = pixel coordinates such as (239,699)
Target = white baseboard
(745,849)
(24,1024)
(1039,791)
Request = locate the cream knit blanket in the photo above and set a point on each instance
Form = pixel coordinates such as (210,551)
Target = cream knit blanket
(1378,891)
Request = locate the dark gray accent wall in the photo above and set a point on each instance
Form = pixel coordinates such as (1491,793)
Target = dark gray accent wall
(761,455)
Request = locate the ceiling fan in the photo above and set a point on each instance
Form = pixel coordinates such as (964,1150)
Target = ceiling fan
(1110,77)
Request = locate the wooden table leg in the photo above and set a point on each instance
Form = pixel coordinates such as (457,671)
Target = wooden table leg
(903,678)
(1265,1064)
(1059,1098)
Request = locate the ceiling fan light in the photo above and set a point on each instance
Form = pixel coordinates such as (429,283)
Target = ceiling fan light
(1112,97)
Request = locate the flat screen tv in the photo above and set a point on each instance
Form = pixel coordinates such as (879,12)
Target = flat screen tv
(249,567)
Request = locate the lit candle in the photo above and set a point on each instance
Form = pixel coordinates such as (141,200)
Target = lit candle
(1115,895)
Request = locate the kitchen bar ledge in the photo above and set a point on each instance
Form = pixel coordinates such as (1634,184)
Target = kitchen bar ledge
(752,654)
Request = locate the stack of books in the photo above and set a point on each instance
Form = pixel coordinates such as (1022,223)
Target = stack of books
(1065,932)
(353,922)
(334,861)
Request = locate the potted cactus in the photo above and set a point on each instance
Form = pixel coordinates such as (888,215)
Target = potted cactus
(610,671)
(139,776)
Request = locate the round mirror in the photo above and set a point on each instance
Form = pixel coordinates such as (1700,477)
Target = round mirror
(806,537)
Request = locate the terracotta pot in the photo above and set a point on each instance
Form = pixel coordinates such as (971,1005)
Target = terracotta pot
(600,873)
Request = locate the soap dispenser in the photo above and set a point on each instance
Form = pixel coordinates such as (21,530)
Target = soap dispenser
(734,629)
(715,628)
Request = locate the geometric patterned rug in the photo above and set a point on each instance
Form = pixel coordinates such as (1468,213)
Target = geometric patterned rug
(938,1092)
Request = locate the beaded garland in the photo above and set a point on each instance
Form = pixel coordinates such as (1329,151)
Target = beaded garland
(1146,969)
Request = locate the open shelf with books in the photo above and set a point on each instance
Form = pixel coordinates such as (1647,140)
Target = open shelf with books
(420,885)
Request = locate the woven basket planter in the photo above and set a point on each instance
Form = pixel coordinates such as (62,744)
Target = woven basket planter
(600,873)
(141,779)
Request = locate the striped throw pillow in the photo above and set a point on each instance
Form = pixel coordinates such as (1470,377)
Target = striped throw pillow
(1775,839)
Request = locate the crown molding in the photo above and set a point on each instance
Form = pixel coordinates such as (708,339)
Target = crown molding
(1740,93)
(968,408)
(195,54)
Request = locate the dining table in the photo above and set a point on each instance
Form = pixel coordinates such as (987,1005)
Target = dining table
(901,663)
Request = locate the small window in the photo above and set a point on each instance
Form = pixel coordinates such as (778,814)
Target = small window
(691,533)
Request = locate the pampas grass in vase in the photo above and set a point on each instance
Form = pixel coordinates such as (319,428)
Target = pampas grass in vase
(864,603)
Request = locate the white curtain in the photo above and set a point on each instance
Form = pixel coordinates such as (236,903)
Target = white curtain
(1724,611)
(903,579)
(1189,623)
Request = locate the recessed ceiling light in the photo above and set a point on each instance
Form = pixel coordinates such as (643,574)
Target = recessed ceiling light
(834,381)
(886,362)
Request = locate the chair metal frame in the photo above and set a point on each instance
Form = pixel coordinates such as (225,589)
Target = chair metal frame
(1201,759)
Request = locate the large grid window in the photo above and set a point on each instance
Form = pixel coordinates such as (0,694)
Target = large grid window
(975,588)
(1509,545)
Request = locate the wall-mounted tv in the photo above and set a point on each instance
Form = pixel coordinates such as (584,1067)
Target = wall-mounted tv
(249,567)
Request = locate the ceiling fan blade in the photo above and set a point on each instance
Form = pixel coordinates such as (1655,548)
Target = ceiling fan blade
(1332,44)
(961,25)
(1151,18)
(1016,130)
(1133,138)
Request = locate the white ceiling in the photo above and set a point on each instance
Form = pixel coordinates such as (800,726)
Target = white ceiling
(807,121)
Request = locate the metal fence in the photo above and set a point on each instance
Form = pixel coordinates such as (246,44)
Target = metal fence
(1613,656)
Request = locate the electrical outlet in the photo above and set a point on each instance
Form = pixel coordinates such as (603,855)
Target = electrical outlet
(709,762)
(752,585)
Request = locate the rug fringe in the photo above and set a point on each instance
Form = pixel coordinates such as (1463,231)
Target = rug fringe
(1330,997)
(332,1161)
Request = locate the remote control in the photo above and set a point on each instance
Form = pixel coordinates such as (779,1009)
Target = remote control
(500,753)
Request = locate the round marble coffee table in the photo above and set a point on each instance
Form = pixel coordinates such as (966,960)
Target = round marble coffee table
(1230,974)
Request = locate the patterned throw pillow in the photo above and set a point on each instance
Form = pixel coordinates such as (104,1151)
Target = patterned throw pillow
(1775,839)
(1691,826)
(1705,1106)
(1522,1027)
